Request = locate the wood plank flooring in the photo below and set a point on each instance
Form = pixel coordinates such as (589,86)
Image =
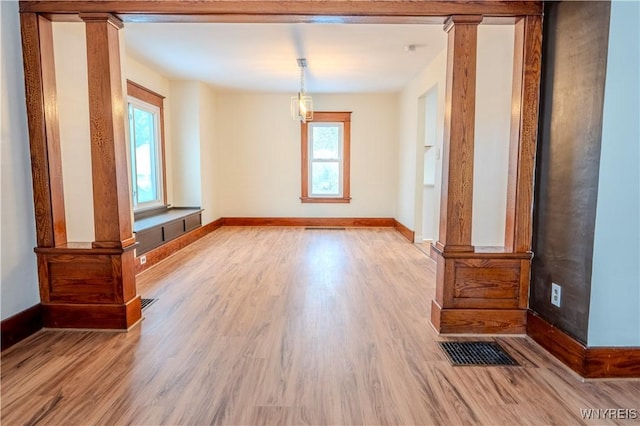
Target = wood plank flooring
(289,326)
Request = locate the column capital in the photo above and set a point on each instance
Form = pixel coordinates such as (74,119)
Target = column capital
(453,20)
(103,17)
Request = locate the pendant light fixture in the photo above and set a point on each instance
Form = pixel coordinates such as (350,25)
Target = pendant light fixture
(302,104)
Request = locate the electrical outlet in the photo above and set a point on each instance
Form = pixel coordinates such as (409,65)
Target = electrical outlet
(143,259)
(556,294)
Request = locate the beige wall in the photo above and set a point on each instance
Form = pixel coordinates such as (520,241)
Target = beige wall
(70,51)
(184,154)
(493,121)
(209,160)
(193,154)
(410,190)
(140,73)
(493,109)
(260,155)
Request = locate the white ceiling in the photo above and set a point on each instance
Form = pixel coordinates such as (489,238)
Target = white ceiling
(341,58)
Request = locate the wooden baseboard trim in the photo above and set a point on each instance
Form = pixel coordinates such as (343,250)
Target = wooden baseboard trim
(348,222)
(589,362)
(160,253)
(406,232)
(20,326)
(478,321)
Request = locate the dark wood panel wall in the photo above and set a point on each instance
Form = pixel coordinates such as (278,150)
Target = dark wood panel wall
(576,38)
(478,290)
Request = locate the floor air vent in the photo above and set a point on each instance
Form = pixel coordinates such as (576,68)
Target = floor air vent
(147,302)
(324,228)
(476,353)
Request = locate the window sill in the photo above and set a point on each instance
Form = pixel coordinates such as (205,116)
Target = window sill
(149,211)
(326,200)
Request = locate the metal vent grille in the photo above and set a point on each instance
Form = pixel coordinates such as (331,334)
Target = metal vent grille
(147,302)
(476,353)
(324,228)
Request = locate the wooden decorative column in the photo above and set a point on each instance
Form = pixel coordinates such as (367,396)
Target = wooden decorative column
(82,284)
(486,289)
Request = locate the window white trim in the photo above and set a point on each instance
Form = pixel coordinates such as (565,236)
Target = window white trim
(339,159)
(156,158)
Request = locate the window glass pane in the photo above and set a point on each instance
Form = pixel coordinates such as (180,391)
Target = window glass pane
(144,155)
(326,142)
(325,178)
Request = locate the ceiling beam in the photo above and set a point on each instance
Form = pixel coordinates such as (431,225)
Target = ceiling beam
(281,11)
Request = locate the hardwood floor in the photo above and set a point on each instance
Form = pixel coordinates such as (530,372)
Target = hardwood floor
(289,326)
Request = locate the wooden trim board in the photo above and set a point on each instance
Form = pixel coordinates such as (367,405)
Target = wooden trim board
(589,362)
(477,321)
(406,232)
(251,10)
(310,221)
(20,326)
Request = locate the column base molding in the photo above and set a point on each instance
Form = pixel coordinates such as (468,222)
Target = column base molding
(86,287)
(478,321)
(92,316)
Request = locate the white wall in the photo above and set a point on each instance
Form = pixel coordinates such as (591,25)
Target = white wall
(18,273)
(493,113)
(614,313)
(260,155)
(70,52)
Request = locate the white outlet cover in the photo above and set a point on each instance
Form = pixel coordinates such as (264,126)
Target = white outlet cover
(556,294)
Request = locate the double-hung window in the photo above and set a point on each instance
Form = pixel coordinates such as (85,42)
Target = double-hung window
(325,158)
(145,111)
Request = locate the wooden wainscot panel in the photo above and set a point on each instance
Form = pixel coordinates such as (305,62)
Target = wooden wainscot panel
(491,283)
(149,239)
(80,279)
(193,221)
(173,229)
